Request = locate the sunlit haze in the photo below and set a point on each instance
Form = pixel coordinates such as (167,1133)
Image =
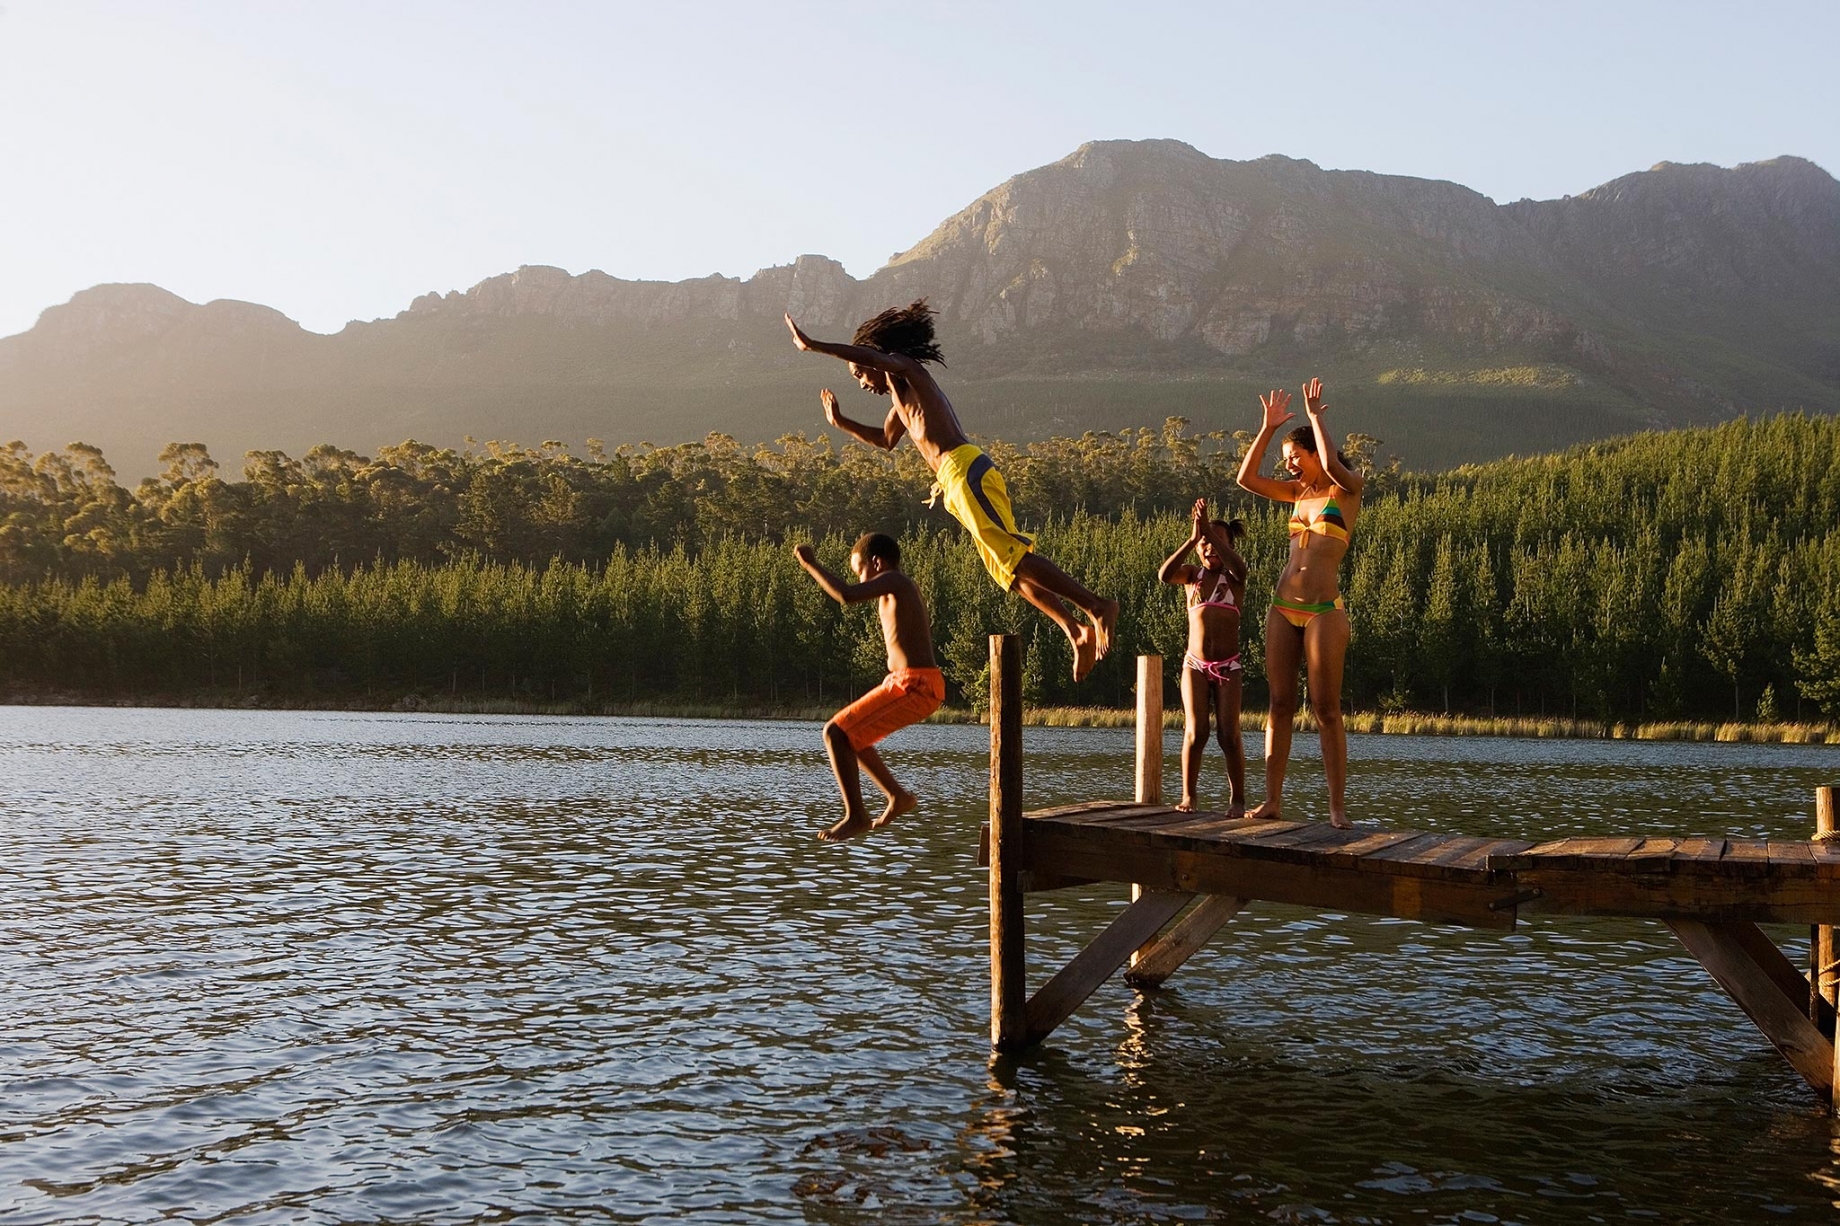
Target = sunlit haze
(334,160)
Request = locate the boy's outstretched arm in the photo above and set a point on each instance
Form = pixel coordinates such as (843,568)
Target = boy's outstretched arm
(862,355)
(837,589)
(892,431)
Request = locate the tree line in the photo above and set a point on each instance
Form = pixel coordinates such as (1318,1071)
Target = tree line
(1691,573)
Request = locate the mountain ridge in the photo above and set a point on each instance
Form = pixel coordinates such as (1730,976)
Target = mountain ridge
(1123,282)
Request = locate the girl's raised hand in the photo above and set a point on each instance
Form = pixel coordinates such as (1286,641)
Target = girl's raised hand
(1277,407)
(1312,398)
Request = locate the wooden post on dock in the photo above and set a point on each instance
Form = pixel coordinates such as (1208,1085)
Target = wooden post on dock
(1823,983)
(1008,987)
(1149,730)
(1149,789)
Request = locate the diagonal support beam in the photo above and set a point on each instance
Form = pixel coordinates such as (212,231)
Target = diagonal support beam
(1782,972)
(1092,966)
(1727,956)
(1159,960)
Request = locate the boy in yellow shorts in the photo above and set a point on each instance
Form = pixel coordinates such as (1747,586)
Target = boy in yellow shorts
(913,689)
(887,357)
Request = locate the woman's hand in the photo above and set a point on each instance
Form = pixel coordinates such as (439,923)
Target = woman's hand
(799,339)
(831,408)
(1312,398)
(1277,408)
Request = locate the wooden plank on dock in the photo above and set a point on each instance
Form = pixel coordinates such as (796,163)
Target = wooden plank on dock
(1092,966)
(1727,960)
(1368,842)
(1482,858)
(1381,858)
(1698,851)
(1745,858)
(1217,869)
(1653,856)
(1790,856)
(1170,950)
(1754,896)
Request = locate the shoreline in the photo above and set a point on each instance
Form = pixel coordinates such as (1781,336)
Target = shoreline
(1399,723)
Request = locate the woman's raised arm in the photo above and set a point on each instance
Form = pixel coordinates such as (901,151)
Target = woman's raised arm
(1276,407)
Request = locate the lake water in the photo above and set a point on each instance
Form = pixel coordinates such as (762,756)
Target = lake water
(286,967)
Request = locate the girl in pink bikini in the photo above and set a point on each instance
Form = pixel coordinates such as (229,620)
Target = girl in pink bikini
(1211,668)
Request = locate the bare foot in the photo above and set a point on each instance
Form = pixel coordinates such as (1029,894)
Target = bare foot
(851,826)
(1085,651)
(1265,811)
(1106,623)
(1340,821)
(1187,805)
(1235,812)
(897,805)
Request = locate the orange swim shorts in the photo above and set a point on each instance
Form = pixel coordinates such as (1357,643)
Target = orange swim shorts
(904,697)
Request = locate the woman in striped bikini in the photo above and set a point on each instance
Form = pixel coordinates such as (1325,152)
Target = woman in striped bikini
(1211,668)
(1308,622)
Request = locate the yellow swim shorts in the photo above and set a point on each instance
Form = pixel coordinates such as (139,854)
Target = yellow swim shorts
(976,495)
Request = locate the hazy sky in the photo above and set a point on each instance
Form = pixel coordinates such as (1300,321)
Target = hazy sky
(333,160)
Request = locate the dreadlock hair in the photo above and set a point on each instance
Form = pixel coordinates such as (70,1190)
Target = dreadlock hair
(904,330)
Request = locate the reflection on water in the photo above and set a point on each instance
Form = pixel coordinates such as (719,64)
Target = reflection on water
(347,968)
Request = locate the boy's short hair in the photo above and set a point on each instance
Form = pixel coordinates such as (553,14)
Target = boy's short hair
(905,330)
(878,545)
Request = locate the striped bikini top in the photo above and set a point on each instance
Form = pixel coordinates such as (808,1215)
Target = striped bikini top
(1219,597)
(1328,522)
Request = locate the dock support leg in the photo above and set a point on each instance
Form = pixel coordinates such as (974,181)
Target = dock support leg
(1008,986)
(1073,983)
(1159,959)
(1149,784)
(1765,994)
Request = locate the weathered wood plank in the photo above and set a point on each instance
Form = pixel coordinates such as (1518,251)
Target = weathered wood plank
(1385,858)
(1168,952)
(1745,858)
(1653,856)
(1790,856)
(1258,831)
(1092,966)
(1210,869)
(1760,899)
(1728,961)
(1695,851)
(1482,857)
(1370,841)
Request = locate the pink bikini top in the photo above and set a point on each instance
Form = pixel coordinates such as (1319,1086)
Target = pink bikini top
(1221,597)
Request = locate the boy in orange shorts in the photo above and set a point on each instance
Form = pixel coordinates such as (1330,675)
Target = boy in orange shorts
(913,689)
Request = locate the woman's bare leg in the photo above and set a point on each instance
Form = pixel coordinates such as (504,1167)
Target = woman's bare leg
(1325,646)
(1226,720)
(1195,735)
(1283,653)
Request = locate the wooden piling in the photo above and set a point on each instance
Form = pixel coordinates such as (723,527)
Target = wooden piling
(1149,730)
(1149,786)
(1823,983)
(1008,986)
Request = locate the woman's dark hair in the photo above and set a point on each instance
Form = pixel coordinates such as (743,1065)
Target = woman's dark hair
(904,330)
(1305,438)
(878,545)
(1234,528)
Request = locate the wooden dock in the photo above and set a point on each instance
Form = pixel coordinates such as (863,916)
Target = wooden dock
(1711,892)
